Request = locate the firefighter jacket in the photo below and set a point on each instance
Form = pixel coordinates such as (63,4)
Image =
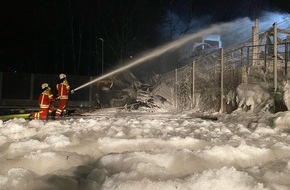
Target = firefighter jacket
(45,99)
(63,89)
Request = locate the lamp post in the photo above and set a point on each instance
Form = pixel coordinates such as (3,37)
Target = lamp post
(102,54)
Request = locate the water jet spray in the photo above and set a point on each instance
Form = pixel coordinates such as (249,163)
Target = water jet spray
(217,28)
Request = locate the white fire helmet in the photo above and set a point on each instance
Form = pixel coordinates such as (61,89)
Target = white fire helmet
(44,85)
(62,76)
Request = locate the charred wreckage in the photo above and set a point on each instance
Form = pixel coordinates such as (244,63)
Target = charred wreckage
(127,92)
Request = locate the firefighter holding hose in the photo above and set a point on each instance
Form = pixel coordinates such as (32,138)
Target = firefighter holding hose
(63,89)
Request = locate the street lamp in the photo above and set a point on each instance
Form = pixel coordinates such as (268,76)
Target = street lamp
(102,54)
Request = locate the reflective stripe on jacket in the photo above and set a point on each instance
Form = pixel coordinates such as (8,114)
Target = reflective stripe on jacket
(45,98)
(63,89)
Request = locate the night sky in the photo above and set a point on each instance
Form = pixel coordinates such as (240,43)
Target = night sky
(39,36)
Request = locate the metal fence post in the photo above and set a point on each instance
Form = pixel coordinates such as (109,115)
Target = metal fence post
(286,60)
(255,41)
(265,58)
(176,88)
(248,56)
(222,80)
(254,54)
(244,67)
(193,81)
(275,56)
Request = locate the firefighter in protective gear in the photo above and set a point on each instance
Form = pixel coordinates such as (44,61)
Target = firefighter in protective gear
(63,89)
(46,103)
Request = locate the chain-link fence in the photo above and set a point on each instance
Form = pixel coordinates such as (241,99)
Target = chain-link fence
(201,83)
(197,84)
(209,82)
